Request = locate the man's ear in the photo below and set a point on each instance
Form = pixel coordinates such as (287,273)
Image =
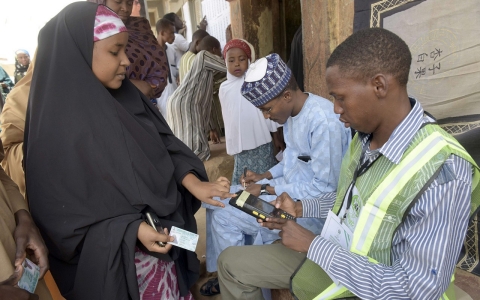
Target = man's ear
(380,85)
(287,96)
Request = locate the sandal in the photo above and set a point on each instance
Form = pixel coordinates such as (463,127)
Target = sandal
(207,287)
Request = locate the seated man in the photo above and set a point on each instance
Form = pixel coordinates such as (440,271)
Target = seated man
(402,202)
(315,143)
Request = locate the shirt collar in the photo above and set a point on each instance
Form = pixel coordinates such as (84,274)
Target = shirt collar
(401,137)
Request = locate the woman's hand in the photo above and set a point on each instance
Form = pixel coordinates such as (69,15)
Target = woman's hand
(144,87)
(28,239)
(10,291)
(205,191)
(149,238)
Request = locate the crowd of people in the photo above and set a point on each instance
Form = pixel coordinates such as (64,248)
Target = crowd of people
(381,194)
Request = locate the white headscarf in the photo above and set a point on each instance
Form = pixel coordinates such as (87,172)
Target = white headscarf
(245,126)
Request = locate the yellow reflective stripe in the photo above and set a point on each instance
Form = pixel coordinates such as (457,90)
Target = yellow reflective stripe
(374,210)
(461,149)
(332,291)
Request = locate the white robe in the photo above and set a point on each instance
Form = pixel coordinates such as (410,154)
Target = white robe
(245,126)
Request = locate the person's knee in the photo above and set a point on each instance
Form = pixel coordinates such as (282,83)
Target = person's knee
(226,259)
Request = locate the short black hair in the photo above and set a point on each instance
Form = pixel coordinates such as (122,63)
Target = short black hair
(292,84)
(371,51)
(171,17)
(208,43)
(199,34)
(164,24)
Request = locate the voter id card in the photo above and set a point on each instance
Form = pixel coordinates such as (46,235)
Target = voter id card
(184,239)
(31,273)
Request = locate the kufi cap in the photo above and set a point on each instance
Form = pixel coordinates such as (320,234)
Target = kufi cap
(107,23)
(265,79)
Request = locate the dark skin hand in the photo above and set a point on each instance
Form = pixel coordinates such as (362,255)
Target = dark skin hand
(28,240)
(293,235)
(9,290)
(214,137)
(286,203)
(278,142)
(253,177)
(203,23)
(254,189)
(206,191)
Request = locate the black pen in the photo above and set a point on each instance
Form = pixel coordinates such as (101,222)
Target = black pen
(244,175)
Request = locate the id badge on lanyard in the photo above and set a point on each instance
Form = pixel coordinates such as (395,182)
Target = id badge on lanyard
(339,230)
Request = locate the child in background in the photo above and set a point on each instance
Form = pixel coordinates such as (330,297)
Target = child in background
(165,37)
(247,132)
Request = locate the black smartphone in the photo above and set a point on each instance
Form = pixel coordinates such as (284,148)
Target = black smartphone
(257,207)
(154,221)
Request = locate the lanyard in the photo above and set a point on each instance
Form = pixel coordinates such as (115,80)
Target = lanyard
(359,171)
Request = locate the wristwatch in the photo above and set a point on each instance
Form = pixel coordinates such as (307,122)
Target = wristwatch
(263,189)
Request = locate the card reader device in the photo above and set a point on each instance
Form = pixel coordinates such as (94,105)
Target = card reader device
(257,207)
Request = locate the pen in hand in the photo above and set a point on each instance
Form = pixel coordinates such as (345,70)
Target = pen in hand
(244,175)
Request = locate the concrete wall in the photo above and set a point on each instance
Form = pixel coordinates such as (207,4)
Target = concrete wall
(257,21)
(326,23)
(270,25)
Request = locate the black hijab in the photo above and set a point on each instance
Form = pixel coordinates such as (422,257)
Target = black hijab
(94,160)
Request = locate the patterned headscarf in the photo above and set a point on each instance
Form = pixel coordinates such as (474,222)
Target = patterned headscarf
(242,44)
(107,23)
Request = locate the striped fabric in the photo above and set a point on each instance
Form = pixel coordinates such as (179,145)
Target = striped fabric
(189,108)
(426,245)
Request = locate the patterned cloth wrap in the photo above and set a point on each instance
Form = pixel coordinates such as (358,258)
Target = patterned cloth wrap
(157,279)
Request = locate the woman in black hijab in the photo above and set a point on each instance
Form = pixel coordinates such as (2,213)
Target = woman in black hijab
(97,155)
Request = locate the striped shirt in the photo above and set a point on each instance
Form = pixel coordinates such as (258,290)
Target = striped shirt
(189,107)
(425,247)
(185,65)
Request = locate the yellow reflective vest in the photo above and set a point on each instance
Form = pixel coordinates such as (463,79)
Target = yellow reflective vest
(386,192)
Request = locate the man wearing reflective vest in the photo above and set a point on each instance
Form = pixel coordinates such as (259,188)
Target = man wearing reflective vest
(405,194)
